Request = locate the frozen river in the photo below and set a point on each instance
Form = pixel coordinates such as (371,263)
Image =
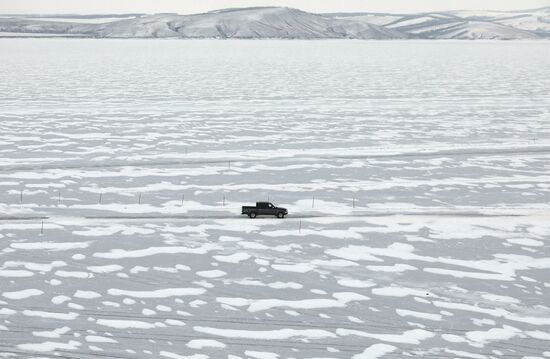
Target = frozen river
(416,174)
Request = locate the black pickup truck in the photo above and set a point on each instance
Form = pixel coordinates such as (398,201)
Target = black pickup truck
(264,208)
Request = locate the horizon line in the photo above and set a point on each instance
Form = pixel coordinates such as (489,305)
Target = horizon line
(261,7)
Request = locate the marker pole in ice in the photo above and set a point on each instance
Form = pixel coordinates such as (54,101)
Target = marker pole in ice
(300,227)
(139,199)
(21,197)
(42,228)
(58,197)
(182,199)
(313,202)
(353,202)
(100,195)
(229,164)
(223,201)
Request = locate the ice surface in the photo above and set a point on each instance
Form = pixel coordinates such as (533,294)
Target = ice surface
(417,187)
(375,351)
(159,293)
(205,343)
(22,294)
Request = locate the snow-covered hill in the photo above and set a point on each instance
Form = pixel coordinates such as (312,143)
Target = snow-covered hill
(466,24)
(287,23)
(445,26)
(272,22)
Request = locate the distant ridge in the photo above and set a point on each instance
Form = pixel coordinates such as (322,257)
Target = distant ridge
(288,23)
(73,16)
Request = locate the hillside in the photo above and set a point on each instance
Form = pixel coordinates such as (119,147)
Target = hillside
(287,23)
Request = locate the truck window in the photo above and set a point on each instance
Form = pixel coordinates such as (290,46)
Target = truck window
(262,205)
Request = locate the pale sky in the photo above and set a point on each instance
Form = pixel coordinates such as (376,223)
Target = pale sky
(196,6)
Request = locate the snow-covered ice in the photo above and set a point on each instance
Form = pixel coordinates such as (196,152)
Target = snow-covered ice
(417,185)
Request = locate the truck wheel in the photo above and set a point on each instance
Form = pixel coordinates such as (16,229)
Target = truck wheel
(280,215)
(252,215)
